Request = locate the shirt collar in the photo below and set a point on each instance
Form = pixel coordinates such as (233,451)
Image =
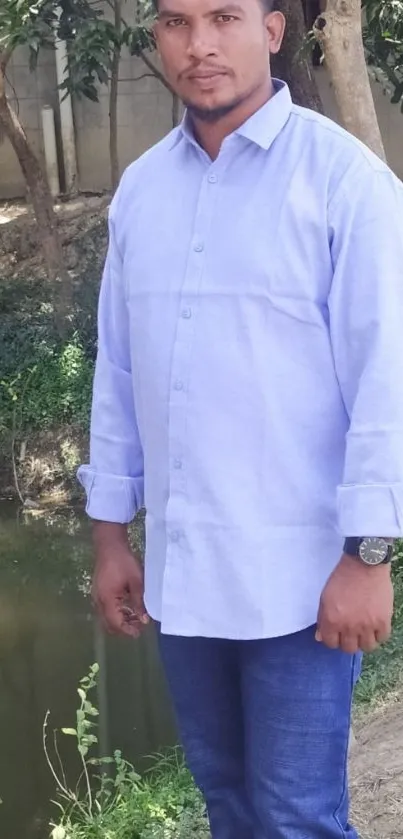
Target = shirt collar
(261,128)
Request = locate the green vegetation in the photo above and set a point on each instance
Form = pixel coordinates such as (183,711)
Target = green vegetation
(383,39)
(382,671)
(111,801)
(46,381)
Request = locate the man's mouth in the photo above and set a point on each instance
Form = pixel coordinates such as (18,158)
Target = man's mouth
(205,75)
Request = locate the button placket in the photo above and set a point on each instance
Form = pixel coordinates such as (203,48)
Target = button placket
(181,372)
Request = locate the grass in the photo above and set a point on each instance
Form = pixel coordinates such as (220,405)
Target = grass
(110,799)
(163,804)
(382,670)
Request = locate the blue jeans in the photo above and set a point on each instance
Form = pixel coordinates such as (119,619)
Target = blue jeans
(265,727)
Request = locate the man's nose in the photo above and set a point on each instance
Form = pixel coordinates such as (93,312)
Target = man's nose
(201,44)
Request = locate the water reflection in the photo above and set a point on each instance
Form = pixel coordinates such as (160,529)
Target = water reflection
(48,639)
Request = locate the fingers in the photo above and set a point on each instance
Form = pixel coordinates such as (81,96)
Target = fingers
(111,614)
(136,602)
(384,632)
(117,592)
(351,642)
(118,618)
(329,637)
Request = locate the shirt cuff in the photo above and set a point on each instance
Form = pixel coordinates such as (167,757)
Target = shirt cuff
(111,498)
(371,510)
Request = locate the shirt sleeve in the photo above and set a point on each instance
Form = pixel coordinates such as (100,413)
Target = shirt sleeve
(366,327)
(114,480)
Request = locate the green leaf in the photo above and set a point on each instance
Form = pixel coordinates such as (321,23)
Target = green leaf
(101,761)
(58,833)
(70,731)
(93,711)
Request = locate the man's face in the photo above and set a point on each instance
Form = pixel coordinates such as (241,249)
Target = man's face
(215,53)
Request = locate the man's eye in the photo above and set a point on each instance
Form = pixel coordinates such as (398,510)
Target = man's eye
(177,21)
(225,18)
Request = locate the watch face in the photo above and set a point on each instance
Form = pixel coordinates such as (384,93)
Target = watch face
(373,551)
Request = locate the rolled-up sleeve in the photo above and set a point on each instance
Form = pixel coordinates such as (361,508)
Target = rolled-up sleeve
(366,326)
(114,479)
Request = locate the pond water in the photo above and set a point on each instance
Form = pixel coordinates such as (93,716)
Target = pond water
(48,640)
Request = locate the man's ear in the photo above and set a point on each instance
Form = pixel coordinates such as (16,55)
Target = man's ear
(275,26)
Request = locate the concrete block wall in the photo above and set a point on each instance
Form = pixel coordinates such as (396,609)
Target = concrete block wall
(28,92)
(144,116)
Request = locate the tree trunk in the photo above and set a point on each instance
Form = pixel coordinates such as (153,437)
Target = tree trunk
(339,31)
(43,208)
(291,64)
(113,100)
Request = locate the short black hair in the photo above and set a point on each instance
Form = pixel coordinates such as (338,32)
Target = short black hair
(268,5)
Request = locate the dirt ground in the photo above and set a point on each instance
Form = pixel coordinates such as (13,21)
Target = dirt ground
(19,252)
(376,773)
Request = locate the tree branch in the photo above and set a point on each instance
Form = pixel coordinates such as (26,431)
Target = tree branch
(138,78)
(155,71)
(113,97)
(4,59)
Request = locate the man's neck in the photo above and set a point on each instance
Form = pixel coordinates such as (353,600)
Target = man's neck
(210,135)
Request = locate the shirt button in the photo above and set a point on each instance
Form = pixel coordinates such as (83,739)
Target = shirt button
(212,179)
(178,385)
(175,536)
(177,463)
(186,313)
(199,247)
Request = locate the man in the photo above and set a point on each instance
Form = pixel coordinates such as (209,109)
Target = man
(249,392)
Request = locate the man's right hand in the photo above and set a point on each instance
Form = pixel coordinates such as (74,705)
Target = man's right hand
(118,582)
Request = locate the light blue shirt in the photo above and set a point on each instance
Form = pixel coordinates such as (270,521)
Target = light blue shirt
(249,382)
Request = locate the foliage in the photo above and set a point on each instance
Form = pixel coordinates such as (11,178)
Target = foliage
(26,22)
(92,42)
(383,38)
(46,381)
(56,388)
(382,670)
(111,800)
(90,36)
(34,23)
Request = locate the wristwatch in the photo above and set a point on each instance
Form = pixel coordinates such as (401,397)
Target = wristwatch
(371,550)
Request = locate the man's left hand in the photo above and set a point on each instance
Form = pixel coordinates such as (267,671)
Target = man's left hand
(356,607)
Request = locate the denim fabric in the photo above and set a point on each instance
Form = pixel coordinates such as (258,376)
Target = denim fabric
(265,727)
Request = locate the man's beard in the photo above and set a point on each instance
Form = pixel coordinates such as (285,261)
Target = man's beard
(212,114)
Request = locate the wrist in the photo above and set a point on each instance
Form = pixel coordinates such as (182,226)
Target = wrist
(354,564)
(107,534)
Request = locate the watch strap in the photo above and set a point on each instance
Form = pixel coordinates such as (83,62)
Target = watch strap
(353,544)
